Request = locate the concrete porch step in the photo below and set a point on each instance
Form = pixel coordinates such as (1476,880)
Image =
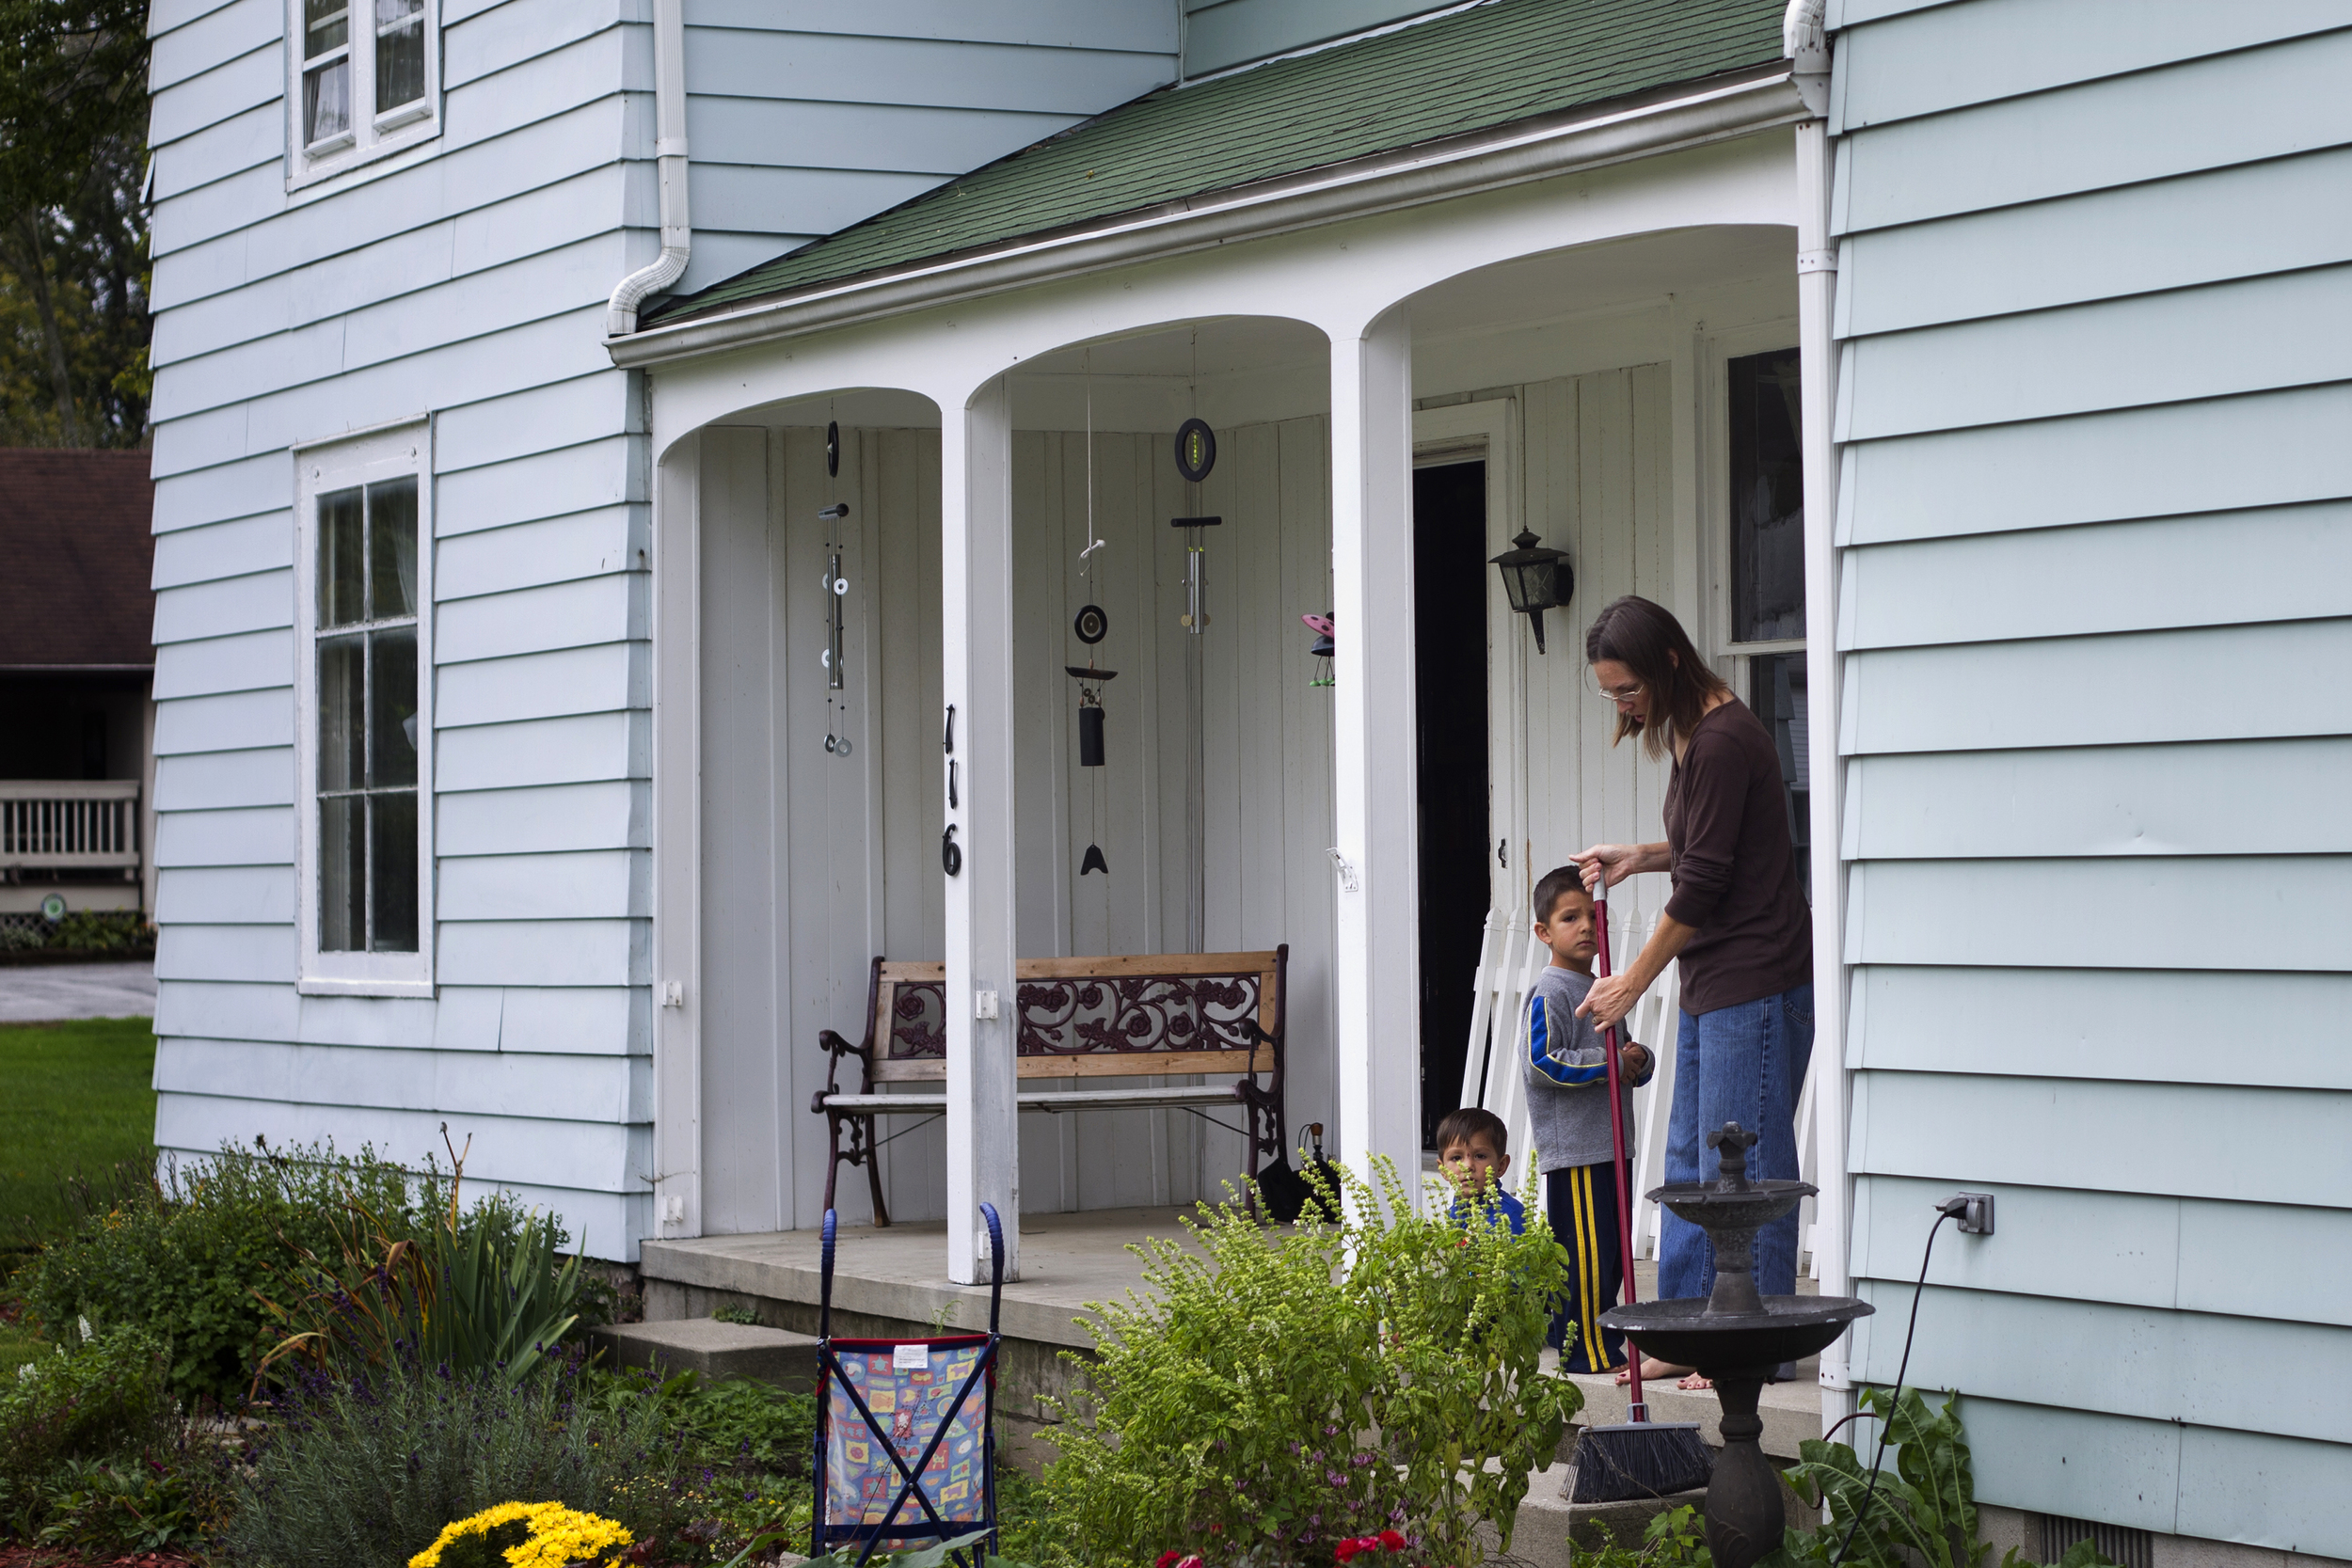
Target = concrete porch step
(713,1349)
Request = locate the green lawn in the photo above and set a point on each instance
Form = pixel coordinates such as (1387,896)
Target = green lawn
(78,1103)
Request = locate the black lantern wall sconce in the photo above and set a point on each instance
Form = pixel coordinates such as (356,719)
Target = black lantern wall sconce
(1537,579)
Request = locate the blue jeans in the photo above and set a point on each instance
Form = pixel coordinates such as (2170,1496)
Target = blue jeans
(1744,1064)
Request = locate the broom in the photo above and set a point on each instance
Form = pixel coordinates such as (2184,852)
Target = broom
(1642,1458)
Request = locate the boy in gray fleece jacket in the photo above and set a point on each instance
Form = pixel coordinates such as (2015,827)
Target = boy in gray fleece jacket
(1567,1099)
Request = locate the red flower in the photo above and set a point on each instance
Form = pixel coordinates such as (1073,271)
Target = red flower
(1345,1551)
(1391,1541)
(1190,1562)
(1168,1558)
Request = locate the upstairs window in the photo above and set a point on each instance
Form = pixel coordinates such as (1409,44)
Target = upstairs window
(364,760)
(365,81)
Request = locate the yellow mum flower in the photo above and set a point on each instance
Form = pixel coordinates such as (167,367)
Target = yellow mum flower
(559,1536)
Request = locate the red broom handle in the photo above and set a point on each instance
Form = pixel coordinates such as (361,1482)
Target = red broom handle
(1637,1409)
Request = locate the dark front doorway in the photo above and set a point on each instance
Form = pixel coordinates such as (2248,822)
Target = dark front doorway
(1450,698)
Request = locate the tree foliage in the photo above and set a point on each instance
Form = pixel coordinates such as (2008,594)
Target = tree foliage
(73,232)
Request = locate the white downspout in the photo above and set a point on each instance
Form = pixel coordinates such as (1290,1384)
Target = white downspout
(1804,38)
(677,228)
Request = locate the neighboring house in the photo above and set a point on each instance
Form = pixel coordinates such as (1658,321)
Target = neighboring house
(77,714)
(1979,403)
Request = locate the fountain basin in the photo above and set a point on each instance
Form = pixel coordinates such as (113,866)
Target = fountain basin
(1787,1328)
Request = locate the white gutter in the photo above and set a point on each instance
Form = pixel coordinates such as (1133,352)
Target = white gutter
(677,228)
(1361,187)
(1806,40)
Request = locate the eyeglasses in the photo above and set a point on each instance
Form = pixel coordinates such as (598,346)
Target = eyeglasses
(1624,696)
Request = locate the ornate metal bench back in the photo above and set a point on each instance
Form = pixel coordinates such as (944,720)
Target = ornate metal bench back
(1173,1006)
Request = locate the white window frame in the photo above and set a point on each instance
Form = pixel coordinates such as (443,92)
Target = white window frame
(322,468)
(370,136)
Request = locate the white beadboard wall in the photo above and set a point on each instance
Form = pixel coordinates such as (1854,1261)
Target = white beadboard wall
(468,280)
(803,886)
(2081,499)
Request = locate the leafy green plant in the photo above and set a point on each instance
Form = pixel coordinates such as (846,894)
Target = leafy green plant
(181,1251)
(1273,1394)
(488,1297)
(102,932)
(736,1312)
(128,1503)
(1673,1539)
(363,1471)
(104,1395)
(1923,1509)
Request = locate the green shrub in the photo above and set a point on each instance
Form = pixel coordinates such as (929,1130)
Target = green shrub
(479,1293)
(181,1253)
(102,1396)
(1232,1411)
(363,1471)
(163,1500)
(102,932)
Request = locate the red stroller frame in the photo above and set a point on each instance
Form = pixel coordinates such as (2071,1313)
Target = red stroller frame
(861,1457)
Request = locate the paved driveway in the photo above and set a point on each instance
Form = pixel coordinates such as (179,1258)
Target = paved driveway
(39,992)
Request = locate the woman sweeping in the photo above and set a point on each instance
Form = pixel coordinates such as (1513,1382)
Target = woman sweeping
(1737,920)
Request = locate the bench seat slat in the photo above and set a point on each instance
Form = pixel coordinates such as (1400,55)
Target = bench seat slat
(1050,1100)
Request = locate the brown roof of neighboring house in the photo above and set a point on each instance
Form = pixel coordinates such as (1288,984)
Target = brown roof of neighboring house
(77,558)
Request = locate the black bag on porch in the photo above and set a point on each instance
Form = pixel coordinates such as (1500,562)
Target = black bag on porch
(1289,1195)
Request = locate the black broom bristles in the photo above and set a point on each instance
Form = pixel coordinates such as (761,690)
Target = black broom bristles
(1641,1459)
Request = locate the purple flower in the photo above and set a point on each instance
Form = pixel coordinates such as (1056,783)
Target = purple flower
(1332,1477)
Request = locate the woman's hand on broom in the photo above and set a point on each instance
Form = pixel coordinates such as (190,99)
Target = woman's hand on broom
(1610,1000)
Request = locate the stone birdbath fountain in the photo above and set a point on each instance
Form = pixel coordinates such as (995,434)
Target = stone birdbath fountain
(1737,1338)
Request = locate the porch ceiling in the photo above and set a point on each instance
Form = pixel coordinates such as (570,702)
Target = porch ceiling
(1488,66)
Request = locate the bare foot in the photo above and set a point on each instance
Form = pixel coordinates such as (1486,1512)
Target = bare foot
(1694,1383)
(1654,1370)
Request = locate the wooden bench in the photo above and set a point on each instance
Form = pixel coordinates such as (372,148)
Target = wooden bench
(1147,1015)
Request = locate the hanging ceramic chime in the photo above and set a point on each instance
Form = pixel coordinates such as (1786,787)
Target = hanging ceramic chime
(1325,644)
(1091,626)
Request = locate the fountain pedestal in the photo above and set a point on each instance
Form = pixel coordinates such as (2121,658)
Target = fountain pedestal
(1737,1339)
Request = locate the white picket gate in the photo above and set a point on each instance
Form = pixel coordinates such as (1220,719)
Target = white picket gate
(1509,959)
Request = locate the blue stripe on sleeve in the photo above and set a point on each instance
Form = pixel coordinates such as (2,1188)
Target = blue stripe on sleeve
(1553,1069)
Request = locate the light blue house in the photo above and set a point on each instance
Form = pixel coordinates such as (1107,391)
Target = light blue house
(543,750)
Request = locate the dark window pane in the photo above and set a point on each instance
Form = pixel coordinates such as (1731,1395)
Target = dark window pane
(1776,694)
(1767,499)
(326,24)
(398,53)
(392,549)
(393,709)
(343,875)
(392,822)
(342,707)
(341,562)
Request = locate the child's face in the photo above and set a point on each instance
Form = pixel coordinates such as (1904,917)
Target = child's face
(1570,931)
(1472,1164)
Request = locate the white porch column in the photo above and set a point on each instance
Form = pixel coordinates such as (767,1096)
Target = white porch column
(975,594)
(1375,969)
(1805,38)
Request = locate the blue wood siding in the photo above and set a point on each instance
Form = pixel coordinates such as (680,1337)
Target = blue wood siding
(2095,557)
(466,278)
(1223,33)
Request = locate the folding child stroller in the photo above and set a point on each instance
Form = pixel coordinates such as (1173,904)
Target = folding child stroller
(906,1434)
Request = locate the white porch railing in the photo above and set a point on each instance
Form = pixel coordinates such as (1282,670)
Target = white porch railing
(52,824)
(1509,959)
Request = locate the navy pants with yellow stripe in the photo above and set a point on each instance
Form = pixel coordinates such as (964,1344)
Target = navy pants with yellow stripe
(1582,1203)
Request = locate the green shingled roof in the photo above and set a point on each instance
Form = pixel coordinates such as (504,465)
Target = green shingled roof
(1475,69)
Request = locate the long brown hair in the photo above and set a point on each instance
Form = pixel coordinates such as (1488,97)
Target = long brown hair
(1648,641)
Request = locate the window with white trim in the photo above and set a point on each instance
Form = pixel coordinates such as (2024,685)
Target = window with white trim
(366,79)
(363,540)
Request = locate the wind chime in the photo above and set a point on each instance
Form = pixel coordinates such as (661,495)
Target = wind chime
(1196,454)
(836,589)
(1091,626)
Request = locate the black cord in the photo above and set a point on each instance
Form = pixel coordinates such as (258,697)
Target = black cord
(1948,1208)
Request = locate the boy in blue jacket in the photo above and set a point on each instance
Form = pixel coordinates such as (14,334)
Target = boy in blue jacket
(1567,1098)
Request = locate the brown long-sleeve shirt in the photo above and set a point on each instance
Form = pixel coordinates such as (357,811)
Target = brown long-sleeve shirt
(1734,869)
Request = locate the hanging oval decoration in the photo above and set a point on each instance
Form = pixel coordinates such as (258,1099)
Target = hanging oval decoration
(833,451)
(950,853)
(1196,449)
(1091,626)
